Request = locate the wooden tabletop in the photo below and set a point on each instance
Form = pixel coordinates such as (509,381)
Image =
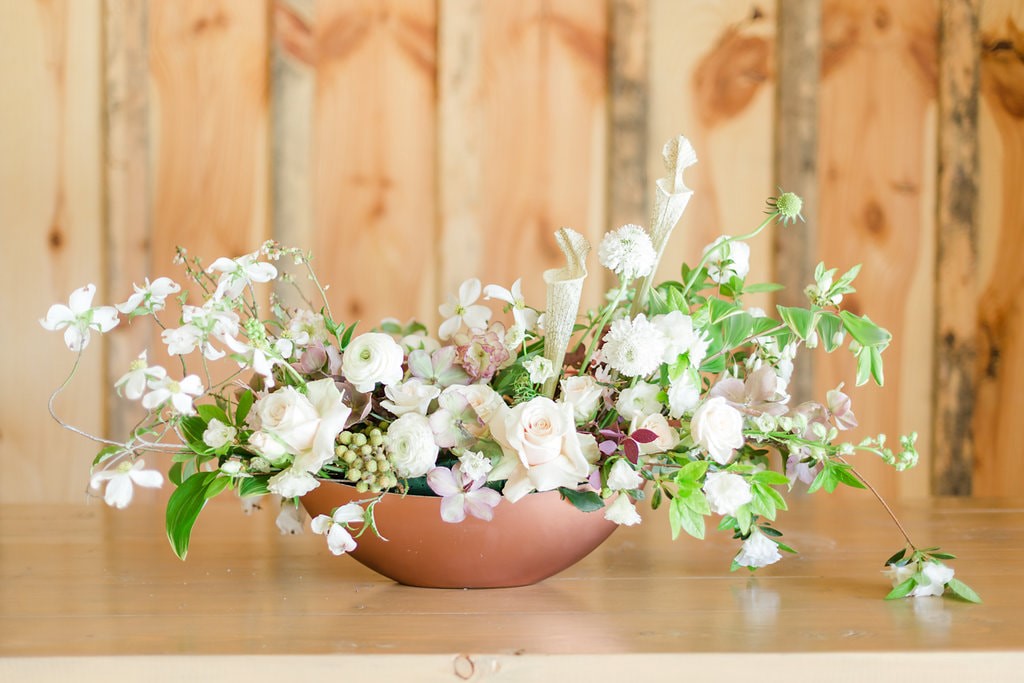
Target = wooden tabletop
(100,590)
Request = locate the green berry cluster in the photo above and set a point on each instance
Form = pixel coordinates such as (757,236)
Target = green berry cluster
(361,455)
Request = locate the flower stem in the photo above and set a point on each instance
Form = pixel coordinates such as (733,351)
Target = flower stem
(880,500)
(692,279)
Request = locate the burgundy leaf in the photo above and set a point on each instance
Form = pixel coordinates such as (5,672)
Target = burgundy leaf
(643,436)
(611,433)
(632,450)
(608,447)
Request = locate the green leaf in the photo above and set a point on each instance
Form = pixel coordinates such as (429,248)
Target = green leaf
(737,329)
(347,337)
(587,501)
(963,591)
(719,310)
(210,412)
(216,486)
(829,327)
(183,507)
(902,590)
(864,331)
(863,365)
(744,518)
(174,474)
(698,502)
(876,366)
(943,556)
(819,480)
(245,402)
(843,475)
(682,517)
(106,453)
(762,504)
(692,471)
(760,287)
(254,486)
(896,557)
(770,477)
(800,320)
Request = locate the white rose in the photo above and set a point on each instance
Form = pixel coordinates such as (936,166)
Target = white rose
(639,399)
(269,447)
(217,434)
(727,492)
(370,359)
(622,511)
(683,395)
(410,444)
(411,396)
(718,428)
(622,477)
(291,483)
(289,416)
(667,439)
(758,551)
(583,393)
(541,448)
(481,398)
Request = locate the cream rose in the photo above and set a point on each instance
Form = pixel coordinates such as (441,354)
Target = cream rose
(717,427)
(583,393)
(410,445)
(727,492)
(304,426)
(370,359)
(289,416)
(667,439)
(541,448)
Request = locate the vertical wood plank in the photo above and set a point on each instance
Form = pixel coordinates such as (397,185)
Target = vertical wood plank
(209,123)
(629,193)
(998,465)
(712,66)
(51,217)
(796,162)
(293,91)
(541,127)
(127,199)
(957,250)
(877,163)
(374,175)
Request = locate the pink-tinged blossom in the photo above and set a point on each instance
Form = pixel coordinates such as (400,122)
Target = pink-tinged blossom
(461,495)
(757,395)
(483,354)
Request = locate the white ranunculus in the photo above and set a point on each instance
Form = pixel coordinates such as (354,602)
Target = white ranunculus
(410,396)
(622,511)
(622,477)
(217,434)
(291,483)
(727,492)
(481,398)
(583,393)
(684,395)
(410,445)
(541,448)
(639,399)
(717,427)
(372,358)
(667,439)
(758,551)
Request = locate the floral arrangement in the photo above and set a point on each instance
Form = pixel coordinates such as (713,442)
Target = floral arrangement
(674,392)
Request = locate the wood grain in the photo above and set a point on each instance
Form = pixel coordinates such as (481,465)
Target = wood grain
(1000,368)
(537,104)
(374,178)
(956,303)
(66,571)
(877,165)
(629,189)
(208,70)
(713,71)
(128,203)
(51,220)
(796,163)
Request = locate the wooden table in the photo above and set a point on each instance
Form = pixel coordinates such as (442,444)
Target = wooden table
(97,593)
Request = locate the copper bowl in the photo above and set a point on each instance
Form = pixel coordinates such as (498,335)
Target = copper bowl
(526,542)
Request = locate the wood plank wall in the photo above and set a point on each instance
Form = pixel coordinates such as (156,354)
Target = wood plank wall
(413,143)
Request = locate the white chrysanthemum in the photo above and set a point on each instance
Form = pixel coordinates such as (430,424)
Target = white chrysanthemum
(634,347)
(628,252)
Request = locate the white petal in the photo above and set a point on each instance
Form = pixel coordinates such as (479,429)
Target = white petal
(261,272)
(147,478)
(119,492)
(339,540)
(442,482)
(191,385)
(155,398)
(81,299)
(449,327)
(57,317)
(453,508)
(481,503)
(105,318)
(348,513)
(134,384)
(222,264)
(469,291)
(498,292)
(76,339)
(476,316)
(321,524)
